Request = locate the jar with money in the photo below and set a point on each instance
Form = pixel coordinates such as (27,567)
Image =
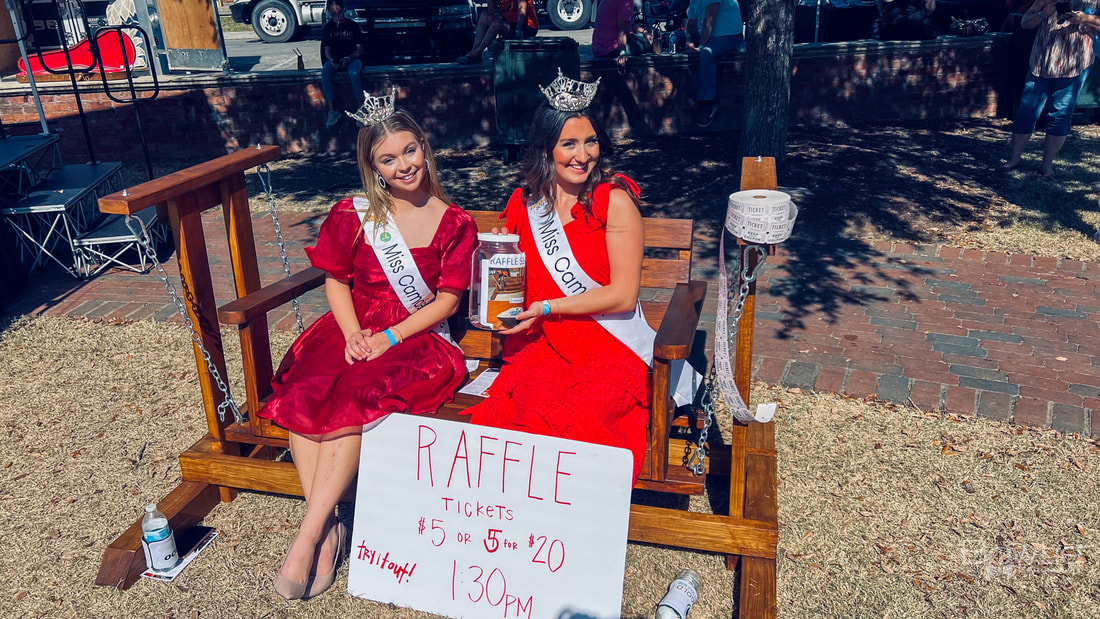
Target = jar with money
(498,280)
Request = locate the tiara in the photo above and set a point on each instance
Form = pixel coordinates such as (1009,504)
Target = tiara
(569,95)
(375,109)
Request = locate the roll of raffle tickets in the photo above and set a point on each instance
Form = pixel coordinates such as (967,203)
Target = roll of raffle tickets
(761,216)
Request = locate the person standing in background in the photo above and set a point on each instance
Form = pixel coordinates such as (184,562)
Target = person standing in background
(720,30)
(612,36)
(1060,60)
(342,43)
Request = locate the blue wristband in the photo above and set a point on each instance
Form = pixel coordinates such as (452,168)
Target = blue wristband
(546,307)
(390,337)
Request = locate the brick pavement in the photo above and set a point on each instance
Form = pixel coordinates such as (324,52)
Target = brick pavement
(1012,338)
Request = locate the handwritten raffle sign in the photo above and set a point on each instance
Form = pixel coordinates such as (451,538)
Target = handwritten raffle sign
(468,521)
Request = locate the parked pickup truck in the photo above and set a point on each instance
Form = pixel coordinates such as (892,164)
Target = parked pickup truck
(397,30)
(563,14)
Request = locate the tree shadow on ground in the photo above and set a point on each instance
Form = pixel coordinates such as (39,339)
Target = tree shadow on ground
(928,181)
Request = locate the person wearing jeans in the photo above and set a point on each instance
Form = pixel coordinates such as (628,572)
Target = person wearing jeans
(341,50)
(1060,60)
(720,30)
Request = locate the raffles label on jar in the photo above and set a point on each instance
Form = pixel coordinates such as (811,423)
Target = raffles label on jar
(498,281)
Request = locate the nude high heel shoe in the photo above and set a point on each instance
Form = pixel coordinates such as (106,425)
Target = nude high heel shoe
(322,582)
(290,589)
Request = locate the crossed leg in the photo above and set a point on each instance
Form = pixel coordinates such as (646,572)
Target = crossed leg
(326,465)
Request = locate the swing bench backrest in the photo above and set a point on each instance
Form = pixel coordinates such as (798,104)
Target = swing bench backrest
(667,292)
(670,300)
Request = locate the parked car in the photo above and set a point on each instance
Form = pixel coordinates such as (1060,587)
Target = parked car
(397,30)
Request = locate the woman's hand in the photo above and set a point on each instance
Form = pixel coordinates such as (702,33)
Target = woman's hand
(365,345)
(526,318)
(357,346)
(379,344)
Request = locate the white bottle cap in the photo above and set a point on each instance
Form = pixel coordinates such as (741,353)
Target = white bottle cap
(152,507)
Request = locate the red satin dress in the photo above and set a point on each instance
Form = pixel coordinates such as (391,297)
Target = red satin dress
(316,391)
(567,376)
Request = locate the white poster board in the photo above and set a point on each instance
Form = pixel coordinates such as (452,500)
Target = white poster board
(469,521)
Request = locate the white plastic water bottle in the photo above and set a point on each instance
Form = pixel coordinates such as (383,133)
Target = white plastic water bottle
(158,541)
(681,596)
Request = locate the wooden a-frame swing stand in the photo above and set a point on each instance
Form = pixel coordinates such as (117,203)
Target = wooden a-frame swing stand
(233,457)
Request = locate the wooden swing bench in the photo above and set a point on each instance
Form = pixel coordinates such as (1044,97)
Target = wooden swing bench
(233,457)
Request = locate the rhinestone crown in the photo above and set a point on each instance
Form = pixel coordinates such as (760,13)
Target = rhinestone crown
(569,95)
(375,109)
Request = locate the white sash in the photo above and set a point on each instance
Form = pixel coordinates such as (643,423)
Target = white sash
(630,328)
(398,264)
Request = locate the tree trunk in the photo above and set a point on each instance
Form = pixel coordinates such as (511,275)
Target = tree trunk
(769,37)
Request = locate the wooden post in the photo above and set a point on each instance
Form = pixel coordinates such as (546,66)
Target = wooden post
(255,344)
(753,476)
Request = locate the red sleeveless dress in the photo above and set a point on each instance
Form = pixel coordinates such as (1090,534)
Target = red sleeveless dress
(567,376)
(316,391)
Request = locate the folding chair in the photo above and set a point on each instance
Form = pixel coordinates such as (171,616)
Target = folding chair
(100,248)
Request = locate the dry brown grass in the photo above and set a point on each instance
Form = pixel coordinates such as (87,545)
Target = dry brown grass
(902,513)
(94,416)
(874,506)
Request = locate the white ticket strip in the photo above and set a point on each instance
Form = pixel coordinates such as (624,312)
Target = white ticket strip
(760,217)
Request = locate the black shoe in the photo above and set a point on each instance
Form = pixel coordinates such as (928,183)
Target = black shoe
(707,113)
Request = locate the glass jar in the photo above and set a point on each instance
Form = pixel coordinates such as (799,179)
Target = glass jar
(498,281)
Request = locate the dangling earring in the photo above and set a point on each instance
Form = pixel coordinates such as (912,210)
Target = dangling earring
(381,181)
(427,168)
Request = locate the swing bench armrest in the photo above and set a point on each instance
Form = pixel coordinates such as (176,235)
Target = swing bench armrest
(677,331)
(251,306)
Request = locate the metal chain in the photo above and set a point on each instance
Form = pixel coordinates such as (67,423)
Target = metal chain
(141,233)
(264,173)
(699,454)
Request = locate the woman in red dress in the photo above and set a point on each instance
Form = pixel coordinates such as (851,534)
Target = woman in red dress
(369,356)
(564,374)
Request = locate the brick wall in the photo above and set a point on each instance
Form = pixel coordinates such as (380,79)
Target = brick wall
(207,115)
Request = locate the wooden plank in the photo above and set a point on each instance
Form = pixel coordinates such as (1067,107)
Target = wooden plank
(758,588)
(660,416)
(198,293)
(758,576)
(189,24)
(663,233)
(123,560)
(759,501)
(262,301)
(664,273)
(201,464)
(668,233)
(676,335)
(478,344)
(709,532)
(758,173)
(186,181)
(255,342)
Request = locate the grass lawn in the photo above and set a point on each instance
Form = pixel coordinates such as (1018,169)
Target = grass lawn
(228,25)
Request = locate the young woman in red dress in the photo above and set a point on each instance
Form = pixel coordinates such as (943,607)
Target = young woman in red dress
(564,373)
(379,350)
